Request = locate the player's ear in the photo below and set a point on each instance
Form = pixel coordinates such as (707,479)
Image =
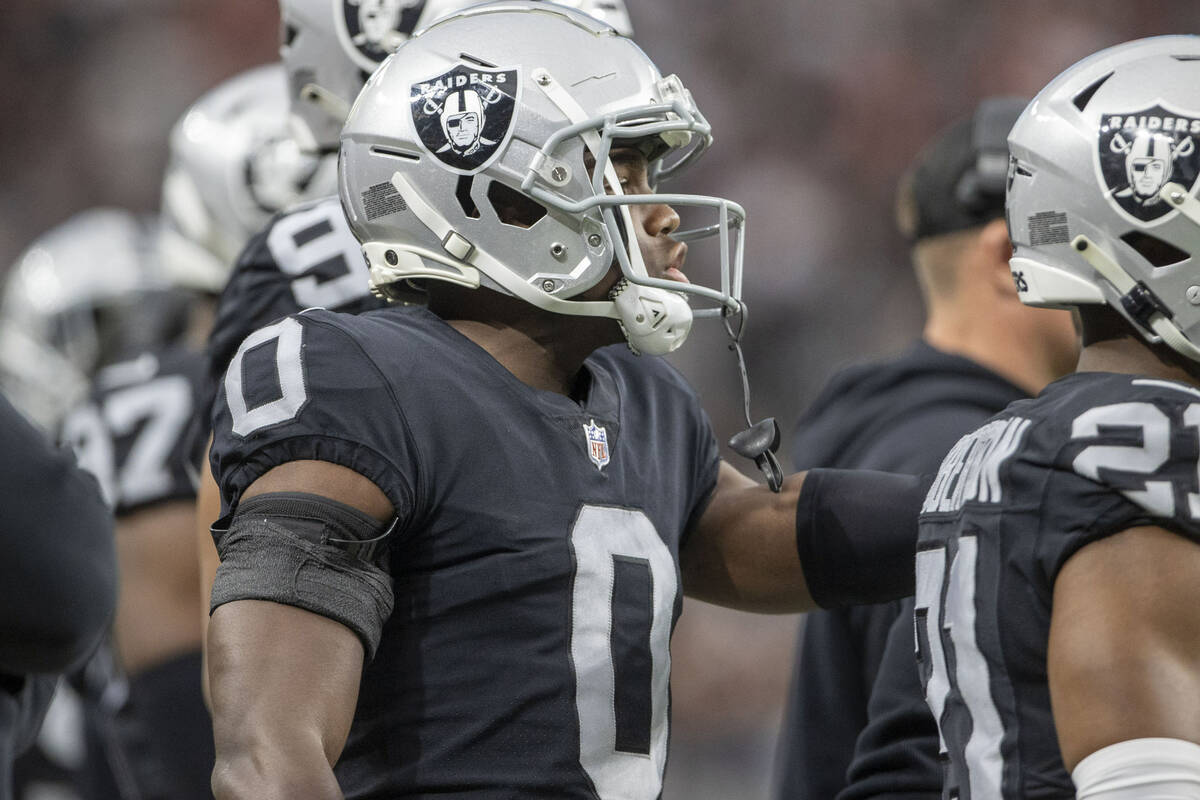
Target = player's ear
(997,250)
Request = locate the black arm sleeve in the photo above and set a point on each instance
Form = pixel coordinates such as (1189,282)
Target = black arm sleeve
(59,568)
(856,532)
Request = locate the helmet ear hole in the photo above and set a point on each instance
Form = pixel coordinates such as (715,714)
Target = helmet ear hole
(514,208)
(1155,250)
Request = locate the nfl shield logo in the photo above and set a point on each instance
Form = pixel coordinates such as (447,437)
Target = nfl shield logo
(597,439)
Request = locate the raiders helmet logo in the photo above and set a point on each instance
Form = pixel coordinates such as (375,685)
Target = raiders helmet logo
(1142,151)
(464,117)
(371,30)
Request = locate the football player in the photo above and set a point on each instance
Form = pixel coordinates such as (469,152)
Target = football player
(307,257)
(65,310)
(74,300)
(456,537)
(59,576)
(232,165)
(1058,568)
(980,349)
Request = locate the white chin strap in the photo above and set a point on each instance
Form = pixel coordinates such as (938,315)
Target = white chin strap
(654,321)
(1121,280)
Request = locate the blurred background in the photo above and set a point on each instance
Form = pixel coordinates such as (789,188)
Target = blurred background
(817,109)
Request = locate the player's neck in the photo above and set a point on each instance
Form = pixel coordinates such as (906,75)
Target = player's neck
(998,347)
(1131,356)
(541,349)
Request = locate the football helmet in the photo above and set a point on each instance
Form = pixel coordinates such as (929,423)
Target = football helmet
(233,164)
(495,108)
(1102,189)
(330,47)
(65,305)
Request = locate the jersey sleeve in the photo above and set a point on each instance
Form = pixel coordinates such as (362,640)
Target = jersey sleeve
(306,258)
(303,389)
(1115,466)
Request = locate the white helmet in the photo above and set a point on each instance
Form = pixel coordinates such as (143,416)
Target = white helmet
(553,85)
(331,47)
(1102,201)
(63,303)
(233,165)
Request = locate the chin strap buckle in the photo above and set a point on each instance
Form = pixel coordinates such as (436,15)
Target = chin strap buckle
(759,443)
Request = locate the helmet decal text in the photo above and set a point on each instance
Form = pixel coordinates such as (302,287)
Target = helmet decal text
(464,117)
(1142,151)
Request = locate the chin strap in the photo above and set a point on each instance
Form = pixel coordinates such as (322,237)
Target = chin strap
(760,440)
(1142,304)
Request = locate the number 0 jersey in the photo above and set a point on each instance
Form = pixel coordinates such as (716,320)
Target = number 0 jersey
(535,562)
(1093,455)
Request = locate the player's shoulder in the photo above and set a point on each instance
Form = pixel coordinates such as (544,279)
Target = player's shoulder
(318,216)
(1087,408)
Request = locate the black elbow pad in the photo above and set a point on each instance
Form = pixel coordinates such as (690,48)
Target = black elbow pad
(856,533)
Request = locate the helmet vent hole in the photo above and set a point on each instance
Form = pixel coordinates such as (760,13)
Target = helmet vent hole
(289,35)
(1155,250)
(477,61)
(1081,100)
(512,207)
(463,193)
(1186,58)
(391,152)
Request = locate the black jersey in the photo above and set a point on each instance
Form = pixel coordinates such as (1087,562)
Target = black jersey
(1093,455)
(535,565)
(133,433)
(305,258)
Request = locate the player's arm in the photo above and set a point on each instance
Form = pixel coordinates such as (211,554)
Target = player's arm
(1124,665)
(208,509)
(58,573)
(829,538)
(284,679)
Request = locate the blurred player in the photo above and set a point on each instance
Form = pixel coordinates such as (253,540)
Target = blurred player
(59,578)
(232,166)
(73,301)
(64,310)
(463,527)
(980,350)
(1058,567)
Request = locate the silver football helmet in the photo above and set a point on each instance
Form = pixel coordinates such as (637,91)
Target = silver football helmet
(233,165)
(62,302)
(497,107)
(330,47)
(1102,190)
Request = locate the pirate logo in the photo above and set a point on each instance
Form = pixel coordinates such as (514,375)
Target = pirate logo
(1142,152)
(464,117)
(371,30)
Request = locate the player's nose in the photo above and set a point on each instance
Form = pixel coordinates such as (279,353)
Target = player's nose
(661,220)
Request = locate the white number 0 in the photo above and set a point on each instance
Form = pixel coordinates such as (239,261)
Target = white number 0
(289,336)
(603,538)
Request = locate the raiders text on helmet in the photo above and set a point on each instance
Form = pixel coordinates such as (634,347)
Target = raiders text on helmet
(494,110)
(1102,190)
(233,165)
